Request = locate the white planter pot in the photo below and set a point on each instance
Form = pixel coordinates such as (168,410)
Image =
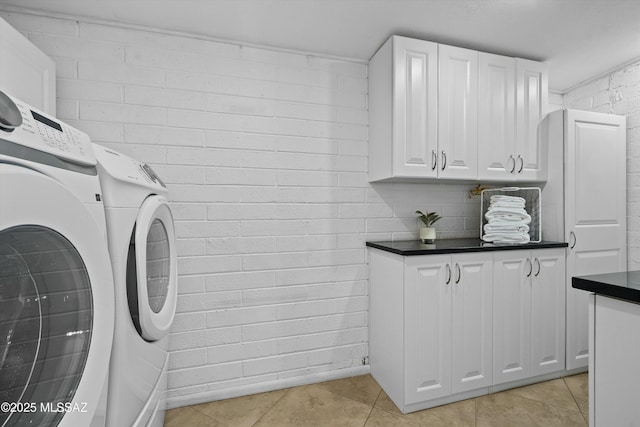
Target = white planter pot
(427,234)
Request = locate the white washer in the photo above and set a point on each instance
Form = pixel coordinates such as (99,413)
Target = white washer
(56,284)
(141,239)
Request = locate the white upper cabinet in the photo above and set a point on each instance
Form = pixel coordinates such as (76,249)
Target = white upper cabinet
(444,112)
(403,110)
(458,112)
(513,97)
(531,103)
(26,72)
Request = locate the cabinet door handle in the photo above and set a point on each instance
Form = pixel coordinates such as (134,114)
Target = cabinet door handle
(444,160)
(539,267)
(459,273)
(448,274)
(572,235)
(521,163)
(514,163)
(530,267)
(434,160)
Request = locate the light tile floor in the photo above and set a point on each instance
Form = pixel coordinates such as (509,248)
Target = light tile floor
(359,401)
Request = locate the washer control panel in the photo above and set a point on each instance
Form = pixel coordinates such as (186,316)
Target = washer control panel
(45,133)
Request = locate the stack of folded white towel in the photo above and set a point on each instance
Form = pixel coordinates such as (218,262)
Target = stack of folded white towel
(507,220)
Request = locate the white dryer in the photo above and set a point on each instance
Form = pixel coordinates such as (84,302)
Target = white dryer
(141,237)
(56,285)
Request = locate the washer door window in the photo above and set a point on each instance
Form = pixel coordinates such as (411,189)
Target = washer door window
(55,340)
(152,270)
(45,322)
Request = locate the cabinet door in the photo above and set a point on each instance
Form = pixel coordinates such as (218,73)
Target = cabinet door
(496,118)
(531,104)
(512,316)
(595,212)
(427,321)
(548,311)
(415,114)
(26,72)
(472,321)
(458,113)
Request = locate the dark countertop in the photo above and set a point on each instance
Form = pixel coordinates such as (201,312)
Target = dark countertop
(624,285)
(452,246)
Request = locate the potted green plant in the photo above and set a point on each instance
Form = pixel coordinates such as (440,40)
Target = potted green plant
(428,232)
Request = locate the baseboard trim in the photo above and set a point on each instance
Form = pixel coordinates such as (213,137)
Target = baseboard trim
(245,390)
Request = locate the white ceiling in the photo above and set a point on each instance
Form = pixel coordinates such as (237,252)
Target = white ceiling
(579,39)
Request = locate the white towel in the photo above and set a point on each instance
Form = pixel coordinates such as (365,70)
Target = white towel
(503,198)
(500,238)
(507,227)
(516,205)
(519,215)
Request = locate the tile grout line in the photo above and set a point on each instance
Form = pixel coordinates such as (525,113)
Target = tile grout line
(192,407)
(272,406)
(372,406)
(585,417)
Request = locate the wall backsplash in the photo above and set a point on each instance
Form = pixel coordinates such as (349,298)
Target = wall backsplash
(265,156)
(619,93)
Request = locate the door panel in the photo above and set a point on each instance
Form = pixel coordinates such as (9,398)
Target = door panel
(427,328)
(531,104)
(548,311)
(496,117)
(415,107)
(472,322)
(595,207)
(458,112)
(512,316)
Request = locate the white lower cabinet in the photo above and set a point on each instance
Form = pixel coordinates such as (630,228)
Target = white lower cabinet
(448,327)
(448,302)
(529,319)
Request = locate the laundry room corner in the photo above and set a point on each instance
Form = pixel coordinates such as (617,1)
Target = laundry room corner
(264,153)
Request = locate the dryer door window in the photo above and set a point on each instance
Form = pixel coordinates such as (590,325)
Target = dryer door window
(158,265)
(152,277)
(46,317)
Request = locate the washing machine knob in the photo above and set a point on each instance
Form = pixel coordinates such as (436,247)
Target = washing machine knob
(10,116)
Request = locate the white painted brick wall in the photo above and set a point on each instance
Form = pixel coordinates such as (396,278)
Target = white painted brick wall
(619,93)
(265,156)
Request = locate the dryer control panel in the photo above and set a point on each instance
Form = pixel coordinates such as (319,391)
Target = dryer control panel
(124,168)
(26,126)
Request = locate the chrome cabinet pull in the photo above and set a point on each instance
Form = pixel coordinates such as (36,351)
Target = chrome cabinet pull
(572,234)
(434,160)
(539,267)
(521,163)
(514,163)
(444,160)
(459,273)
(448,274)
(530,267)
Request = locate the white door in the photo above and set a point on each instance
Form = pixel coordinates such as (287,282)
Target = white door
(428,282)
(156,267)
(56,302)
(457,112)
(548,311)
(496,118)
(415,108)
(25,72)
(512,316)
(472,321)
(595,213)
(531,105)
